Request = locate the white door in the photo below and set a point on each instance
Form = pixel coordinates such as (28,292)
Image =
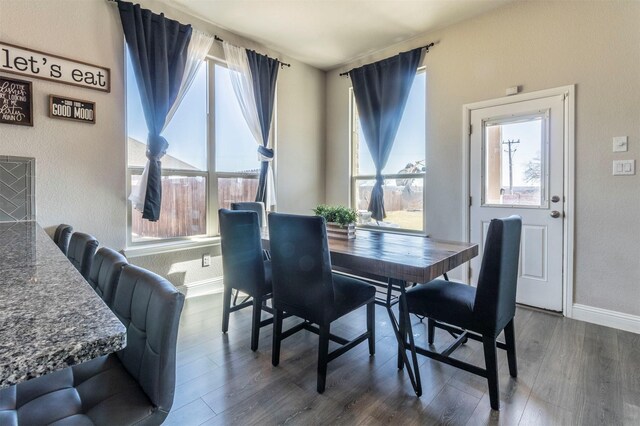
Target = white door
(516,167)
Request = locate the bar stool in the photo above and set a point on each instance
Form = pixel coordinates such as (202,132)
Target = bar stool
(82,248)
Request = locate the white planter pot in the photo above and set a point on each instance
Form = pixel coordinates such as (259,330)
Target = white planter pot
(335,231)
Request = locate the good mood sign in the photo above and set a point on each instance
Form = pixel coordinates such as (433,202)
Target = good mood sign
(72,109)
(32,63)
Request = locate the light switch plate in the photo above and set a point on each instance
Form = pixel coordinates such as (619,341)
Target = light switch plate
(624,167)
(620,144)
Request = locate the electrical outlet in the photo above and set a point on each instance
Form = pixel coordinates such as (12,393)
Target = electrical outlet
(206,260)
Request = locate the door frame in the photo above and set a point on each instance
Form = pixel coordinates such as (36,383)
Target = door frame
(568,177)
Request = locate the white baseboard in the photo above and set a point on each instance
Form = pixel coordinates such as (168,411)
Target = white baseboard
(202,287)
(606,317)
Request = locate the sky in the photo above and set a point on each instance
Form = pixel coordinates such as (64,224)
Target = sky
(187,131)
(236,147)
(529,133)
(409,145)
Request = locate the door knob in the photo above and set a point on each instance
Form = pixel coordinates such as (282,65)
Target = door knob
(555,214)
(555,199)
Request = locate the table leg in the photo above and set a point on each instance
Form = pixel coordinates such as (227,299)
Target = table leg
(412,368)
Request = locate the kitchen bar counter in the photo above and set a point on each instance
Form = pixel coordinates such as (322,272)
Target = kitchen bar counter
(50,318)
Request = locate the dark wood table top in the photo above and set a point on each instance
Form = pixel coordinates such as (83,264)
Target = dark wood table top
(412,258)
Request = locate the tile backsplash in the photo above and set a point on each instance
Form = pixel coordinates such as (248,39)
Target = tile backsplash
(17,188)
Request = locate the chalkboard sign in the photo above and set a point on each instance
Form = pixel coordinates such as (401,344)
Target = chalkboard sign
(16,105)
(72,109)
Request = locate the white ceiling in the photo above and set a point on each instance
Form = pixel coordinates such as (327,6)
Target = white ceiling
(330,33)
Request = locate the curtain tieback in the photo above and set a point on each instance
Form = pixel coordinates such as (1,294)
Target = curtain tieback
(265,154)
(379,179)
(156,146)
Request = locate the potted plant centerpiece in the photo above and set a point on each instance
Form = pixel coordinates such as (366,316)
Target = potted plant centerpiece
(341,221)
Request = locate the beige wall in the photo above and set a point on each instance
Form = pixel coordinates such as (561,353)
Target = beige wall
(81,167)
(539,45)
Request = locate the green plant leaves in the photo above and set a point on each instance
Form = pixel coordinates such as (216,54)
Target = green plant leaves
(339,214)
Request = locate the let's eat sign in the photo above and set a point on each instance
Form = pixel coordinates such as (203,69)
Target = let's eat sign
(72,109)
(33,63)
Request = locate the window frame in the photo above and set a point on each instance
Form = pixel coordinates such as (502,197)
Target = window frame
(211,175)
(354,178)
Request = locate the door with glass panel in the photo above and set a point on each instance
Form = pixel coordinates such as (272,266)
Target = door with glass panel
(516,167)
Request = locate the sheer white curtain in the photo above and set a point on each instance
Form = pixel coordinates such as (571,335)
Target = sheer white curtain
(199,46)
(237,62)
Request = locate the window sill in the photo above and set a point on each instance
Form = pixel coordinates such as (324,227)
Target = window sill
(169,247)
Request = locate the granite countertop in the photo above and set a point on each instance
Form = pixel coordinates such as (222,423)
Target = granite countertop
(50,318)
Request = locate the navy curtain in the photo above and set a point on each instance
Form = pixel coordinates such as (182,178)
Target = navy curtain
(264,73)
(158,50)
(381,90)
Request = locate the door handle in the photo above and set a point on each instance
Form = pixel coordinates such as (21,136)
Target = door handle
(555,214)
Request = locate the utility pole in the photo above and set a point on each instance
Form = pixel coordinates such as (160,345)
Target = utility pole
(511,151)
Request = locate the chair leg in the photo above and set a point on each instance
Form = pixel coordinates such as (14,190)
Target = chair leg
(491,362)
(431,325)
(371,327)
(255,323)
(323,357)
(510,340)
(277,332)
(226,305)
(402,329)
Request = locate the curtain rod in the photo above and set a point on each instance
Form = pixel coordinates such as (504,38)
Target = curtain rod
(423,47)
(216,38)
(282,64)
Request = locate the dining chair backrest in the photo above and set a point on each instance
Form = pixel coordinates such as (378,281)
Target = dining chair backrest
(82,248)
(301,266)
(495,301)
(149,306)
(62,236)
(254,206)
(241,244)
(105,273)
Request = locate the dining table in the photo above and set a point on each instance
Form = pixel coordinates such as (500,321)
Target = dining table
(393,262)
(50,317)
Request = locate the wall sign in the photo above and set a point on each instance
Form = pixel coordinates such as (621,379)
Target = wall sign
(16,106)
(33,63)
(72,109)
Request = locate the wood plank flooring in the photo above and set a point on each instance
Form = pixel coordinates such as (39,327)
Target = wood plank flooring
(570,372)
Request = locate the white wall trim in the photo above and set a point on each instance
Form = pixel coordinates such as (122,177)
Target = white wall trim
(202,287)
(170,246)
(605,317)
(569,207)
(569,177)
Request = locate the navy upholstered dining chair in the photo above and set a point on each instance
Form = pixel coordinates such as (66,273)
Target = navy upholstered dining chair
(244,268)
(258,207)
(134,386)
(82,248)
(105,273)
(305,287)
(62,236)
(254,206)
(480,313)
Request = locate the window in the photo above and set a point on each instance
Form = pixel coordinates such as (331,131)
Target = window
(210,163)
(404,173)
(514,161)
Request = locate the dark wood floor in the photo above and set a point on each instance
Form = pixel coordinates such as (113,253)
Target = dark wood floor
(570,372)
